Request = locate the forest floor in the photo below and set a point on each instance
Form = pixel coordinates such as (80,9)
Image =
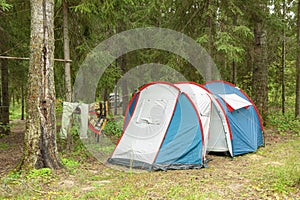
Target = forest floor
(273,172)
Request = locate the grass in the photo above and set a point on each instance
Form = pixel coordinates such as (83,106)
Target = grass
(273,172)
(3,146)
(15,112)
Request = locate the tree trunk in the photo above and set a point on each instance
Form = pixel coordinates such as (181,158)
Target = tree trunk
(234,70)
(116,99)
(260,70)
(283,61)
(68,89)
(124,87)
(297,105)
(40,149)
(22,101)
(0,102)
(208,76)
(5,97)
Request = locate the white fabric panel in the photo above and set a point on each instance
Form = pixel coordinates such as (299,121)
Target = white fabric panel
(202,101)
(235,101)
(146,130)
(215,127)
(219,138)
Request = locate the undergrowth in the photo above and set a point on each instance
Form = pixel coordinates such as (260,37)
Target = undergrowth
(284,123)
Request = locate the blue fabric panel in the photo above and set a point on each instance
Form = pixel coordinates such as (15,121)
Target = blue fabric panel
(183,140)
(131,110)
(245,123)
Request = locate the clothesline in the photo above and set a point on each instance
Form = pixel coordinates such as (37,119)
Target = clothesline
(23,58)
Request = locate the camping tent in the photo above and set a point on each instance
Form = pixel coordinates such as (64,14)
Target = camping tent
(242,115)
(162,130)
(215,126)
(173,126)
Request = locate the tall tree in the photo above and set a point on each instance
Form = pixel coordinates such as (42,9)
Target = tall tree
(260,68)
(68,88)
(40,149)
(297,104)
(283,58)
(5,97)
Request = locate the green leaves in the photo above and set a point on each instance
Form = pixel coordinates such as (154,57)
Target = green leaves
(243,31)
(85,8)
(227,44)
(5,6)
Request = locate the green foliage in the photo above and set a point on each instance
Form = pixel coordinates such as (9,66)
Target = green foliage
(113,128)
(69,163)
(225,43)
(15,112)
(202,39)
(3,146)
(85,8)
(286,175)
(243,32)
(284,123)
(5,6)
(4,129)
(14,175)
(42,173)
(59,106)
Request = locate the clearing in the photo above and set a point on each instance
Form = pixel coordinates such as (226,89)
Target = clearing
(273,172)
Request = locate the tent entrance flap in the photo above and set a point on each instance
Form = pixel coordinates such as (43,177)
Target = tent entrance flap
(150,120)
(235,102)
(152,111)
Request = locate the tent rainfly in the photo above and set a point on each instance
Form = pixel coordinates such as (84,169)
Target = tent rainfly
(245,122)
(173,126)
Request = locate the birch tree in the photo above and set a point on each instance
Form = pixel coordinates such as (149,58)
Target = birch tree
(40,149)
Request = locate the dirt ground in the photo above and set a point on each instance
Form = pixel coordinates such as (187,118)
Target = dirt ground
(12,147)
(227,177)
(11,151)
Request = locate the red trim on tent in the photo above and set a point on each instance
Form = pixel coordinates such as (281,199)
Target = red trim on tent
(127,110)
(201,126)
(255,108)
(168,125)
(158,82)
(230,108)
(197,112)
(195,108)
(227,120)
(128,107)
(194,83)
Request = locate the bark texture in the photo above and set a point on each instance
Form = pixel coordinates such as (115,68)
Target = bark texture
(260,70)
(5,98)
(40,148)
(297,106)
(68,87)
